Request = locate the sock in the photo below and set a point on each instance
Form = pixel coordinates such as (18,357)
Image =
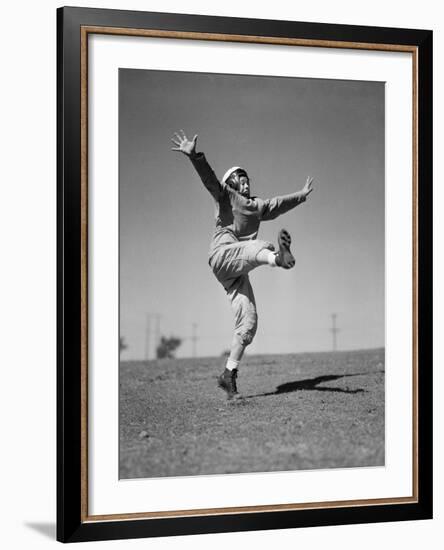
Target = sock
(232,364)
(272,259)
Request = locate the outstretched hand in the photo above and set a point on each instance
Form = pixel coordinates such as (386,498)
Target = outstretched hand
(183,144)
(308,187)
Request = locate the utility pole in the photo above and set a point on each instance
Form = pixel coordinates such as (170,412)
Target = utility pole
(194,338)
(334,331)
(157,317)
(152,333)
(147,336)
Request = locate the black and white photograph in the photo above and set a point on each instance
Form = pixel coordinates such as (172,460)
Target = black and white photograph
(251,274)
(222,275)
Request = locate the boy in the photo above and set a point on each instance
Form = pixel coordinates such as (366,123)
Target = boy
(235,249)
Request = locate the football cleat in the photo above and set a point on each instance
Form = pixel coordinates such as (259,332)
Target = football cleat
(284,258)
(227,382)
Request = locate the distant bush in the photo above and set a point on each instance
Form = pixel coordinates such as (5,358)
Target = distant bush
(167,347)
(122,344)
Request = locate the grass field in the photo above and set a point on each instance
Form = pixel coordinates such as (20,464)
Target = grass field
(304,411)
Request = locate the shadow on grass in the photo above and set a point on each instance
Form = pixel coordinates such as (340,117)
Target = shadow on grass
(311,384)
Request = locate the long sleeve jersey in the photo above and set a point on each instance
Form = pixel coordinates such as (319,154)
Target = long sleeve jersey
(235,214)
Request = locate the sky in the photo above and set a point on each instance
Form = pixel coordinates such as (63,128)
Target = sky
(281,130)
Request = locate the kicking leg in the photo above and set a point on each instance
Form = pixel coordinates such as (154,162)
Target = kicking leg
(238,259)
(241,258)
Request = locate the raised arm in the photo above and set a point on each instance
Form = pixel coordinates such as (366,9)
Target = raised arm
(188,148)
(279,205)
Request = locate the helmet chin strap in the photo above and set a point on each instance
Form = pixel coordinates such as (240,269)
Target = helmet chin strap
(235,181)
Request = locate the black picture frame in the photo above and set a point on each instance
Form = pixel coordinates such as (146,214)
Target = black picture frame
(73,523)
